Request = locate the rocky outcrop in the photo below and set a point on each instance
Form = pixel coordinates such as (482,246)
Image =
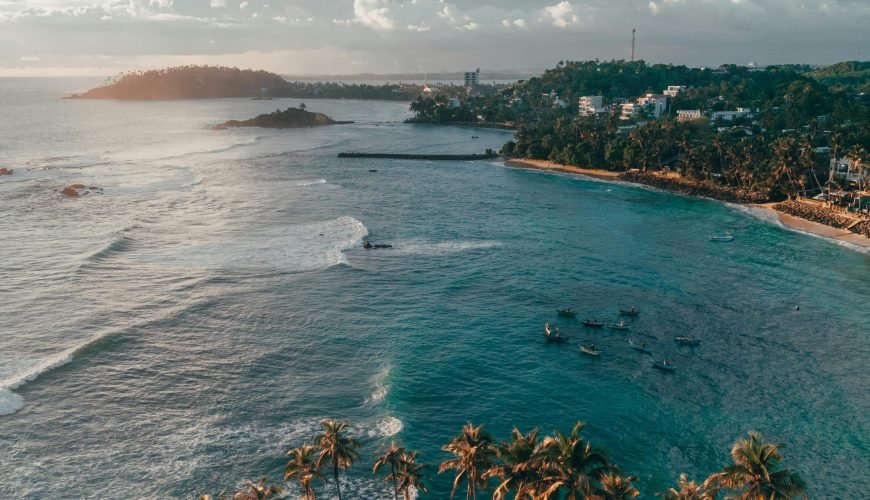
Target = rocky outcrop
(822,215)
(706,189)
(289,118)
(5,171)
(76,190)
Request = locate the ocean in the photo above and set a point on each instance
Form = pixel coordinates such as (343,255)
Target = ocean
(180,329)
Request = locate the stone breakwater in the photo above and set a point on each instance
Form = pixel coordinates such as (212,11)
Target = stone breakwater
(691,187)
(823,215)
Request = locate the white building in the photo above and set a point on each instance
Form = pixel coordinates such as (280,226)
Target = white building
(454,102)
(687,115)
(851,170)
(654,105)
(629,111)
(731,115)
(673,90)
(591,105)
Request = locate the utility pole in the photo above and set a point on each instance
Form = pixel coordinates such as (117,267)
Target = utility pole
(633,30)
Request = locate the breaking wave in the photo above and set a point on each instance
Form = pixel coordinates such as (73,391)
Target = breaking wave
(443,248)
(11,402)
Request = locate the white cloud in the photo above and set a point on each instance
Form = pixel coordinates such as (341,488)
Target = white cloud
(561,15)
(373,13)
(653,8)
(217,4)
(514,23)
(243,5)
(422,27)
(29,58)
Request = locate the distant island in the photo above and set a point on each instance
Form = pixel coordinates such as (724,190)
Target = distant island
(289,118)
(207,82)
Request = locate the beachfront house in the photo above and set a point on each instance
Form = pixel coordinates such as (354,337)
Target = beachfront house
(591,105)
(850,170)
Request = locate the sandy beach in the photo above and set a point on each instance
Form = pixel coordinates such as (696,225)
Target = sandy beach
(548,165)
(786,219)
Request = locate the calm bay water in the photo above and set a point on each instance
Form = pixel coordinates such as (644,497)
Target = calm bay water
(182,330)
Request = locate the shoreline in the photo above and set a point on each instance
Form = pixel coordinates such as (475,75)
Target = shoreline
(789,221)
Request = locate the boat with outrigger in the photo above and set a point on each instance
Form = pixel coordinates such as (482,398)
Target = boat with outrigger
(639,347)
(592,323)
(554,335)
(629,312)
(567,312)
(590,350)
(664,365)
(690,341)
(618,326)
(723,237)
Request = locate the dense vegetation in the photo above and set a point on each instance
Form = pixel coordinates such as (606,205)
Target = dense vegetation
(289,118)
(200,82)
(852,76)
(771,151)
(525,466)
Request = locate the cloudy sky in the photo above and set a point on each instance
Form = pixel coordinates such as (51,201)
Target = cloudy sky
(89,37)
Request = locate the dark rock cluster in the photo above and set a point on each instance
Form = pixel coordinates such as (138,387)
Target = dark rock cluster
(692,187)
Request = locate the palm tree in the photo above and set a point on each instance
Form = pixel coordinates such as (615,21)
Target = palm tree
(569,463)
(518,469)
(334,446)
(475,454)
(410,475)
(304,468)
(390,456)
(258,491)
(755,472)
(690,490)
(615,486)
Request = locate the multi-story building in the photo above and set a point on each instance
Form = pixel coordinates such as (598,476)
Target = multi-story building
(654,105)
(472,78)
(591,105)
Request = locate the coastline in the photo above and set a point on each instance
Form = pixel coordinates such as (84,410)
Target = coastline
(556,167)
(789,221)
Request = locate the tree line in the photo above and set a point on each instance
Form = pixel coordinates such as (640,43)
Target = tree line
(525,466)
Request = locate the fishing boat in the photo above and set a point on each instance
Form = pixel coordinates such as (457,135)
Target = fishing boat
(692,341)
(664,365)
(724,237)
(567,312)
(618,326)
(553,336)
(592,323)
(629,312)
(590,350)
(639,347)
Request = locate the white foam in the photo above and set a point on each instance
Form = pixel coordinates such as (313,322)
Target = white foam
(297,248)
(771,216)
(381,387)
(387,427)
(443,248)
(11,402)
(309,182)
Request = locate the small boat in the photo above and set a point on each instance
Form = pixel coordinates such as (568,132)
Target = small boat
(592,323)
(590,350)
(639,347)
(692,341)
(618,326)
(724,237)
(553,336)
(474,137)
(629,312)
(568,312)
(664,365)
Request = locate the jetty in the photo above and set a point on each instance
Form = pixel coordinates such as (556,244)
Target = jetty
(439,157)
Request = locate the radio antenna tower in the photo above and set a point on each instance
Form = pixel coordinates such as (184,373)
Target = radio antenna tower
(633,30)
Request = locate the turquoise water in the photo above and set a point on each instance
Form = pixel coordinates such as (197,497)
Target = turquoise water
(184,329)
